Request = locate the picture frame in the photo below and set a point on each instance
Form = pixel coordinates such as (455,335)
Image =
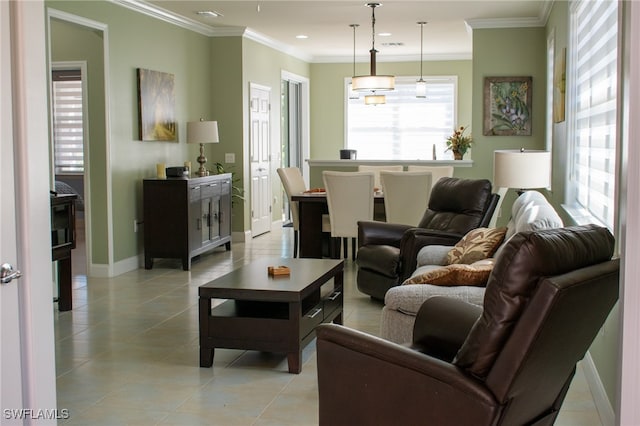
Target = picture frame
(559,85)
(507,106)
(156,106)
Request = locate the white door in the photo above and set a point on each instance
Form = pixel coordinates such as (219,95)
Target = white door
(259,142)
(27,365)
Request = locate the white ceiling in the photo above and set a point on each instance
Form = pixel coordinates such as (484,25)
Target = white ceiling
(326,23)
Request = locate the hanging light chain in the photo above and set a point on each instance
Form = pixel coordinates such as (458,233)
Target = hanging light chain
(354,26)
(421,23)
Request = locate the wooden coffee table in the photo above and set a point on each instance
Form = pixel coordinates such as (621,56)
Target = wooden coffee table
(271,314)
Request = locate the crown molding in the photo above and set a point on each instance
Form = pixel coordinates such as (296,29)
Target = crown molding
(462,56)
(165,15)
(505,23)
(154,11)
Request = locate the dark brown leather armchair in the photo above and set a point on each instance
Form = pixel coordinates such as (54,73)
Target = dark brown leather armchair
(387,251)
(510,363)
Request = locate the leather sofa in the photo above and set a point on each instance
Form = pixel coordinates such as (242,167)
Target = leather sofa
(387,251)
(531,211)
(508,363)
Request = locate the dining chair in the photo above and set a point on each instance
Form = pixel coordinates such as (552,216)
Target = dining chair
(376,170)
(406,196)
(350,199)
(294,184)
(437,172)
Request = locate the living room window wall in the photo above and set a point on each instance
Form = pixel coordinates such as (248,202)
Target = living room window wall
(405,127)
(592,120)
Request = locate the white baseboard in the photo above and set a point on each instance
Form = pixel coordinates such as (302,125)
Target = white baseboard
(240,236)
(600,398)
(120,267)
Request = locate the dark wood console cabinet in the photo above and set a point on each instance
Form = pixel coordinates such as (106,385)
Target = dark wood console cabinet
(184,218)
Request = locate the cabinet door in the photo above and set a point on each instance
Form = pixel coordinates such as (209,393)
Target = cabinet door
(195,218)
(225,209)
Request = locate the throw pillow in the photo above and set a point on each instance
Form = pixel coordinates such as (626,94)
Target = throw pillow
(479,243)
(476,274)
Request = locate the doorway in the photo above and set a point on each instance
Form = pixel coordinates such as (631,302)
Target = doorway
(70,151)
(259,154)
(77,43)
(294,130)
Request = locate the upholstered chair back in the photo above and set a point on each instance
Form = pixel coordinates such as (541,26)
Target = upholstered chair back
(437,172)
(548,295)
(457,205)
(293,184)
(377,182)
(406,195)
(350,199)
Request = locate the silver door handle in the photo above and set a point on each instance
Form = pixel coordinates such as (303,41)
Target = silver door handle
(7,273)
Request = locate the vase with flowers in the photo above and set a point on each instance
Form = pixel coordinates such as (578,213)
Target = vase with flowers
(459,143)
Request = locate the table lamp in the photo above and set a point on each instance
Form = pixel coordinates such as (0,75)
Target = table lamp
(521,169)
(202,132)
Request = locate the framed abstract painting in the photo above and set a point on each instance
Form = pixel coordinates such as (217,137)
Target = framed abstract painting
(156,106)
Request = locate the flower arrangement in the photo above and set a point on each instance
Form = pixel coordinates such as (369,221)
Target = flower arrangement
(458,142)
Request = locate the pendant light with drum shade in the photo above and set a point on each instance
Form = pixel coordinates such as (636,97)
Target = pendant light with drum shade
(421,85)
(373,82)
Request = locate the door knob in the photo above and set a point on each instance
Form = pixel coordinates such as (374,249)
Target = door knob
(7,273)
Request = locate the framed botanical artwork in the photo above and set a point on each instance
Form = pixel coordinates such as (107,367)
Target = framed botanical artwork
(507,106)
(156,106)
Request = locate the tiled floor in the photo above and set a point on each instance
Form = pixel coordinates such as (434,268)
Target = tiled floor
(128,352)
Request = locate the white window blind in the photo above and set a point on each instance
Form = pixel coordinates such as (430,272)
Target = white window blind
(67,122)
(406,127)
(594,33)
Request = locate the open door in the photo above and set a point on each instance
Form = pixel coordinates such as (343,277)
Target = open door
(27,366)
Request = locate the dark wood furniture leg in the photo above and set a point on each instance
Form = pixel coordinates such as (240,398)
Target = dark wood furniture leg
(65,296)
(294,362)
(311,229)
(206,352)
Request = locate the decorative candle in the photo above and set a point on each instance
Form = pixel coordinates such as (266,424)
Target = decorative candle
(161,171)
(187,165)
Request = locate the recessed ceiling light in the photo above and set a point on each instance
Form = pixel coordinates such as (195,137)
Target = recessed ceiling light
(302,36)
(384,34)
(209,13)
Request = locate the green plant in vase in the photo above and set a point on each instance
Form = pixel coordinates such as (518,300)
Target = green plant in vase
(237,192)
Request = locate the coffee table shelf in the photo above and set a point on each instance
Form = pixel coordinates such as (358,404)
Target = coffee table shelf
(273,314)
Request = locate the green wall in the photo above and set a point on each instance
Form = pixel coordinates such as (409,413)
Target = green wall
(72,42)
(264,65)
(506,52)
(137,41)
(328,106)
(605,348)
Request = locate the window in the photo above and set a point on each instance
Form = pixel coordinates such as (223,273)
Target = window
(593,108)
(68,139)
(406,127)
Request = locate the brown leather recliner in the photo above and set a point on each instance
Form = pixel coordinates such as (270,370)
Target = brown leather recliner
(387,251)
(512,363)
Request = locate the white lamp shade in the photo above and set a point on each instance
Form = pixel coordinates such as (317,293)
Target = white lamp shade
(375,99)
(202,132)
(421,89)
(373,82)
(521,169)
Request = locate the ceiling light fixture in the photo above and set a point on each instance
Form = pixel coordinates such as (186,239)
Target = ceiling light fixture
(421,85)
(373,82)
(209,13)
(352,93)
(375,99)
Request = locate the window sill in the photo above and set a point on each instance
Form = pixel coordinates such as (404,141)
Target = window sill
(355,163)
(580,215)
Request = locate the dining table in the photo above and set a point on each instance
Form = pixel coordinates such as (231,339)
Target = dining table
(311,206)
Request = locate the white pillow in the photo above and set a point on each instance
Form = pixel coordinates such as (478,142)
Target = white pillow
(433,255)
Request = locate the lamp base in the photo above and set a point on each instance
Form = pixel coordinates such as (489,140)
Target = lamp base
(202,160)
